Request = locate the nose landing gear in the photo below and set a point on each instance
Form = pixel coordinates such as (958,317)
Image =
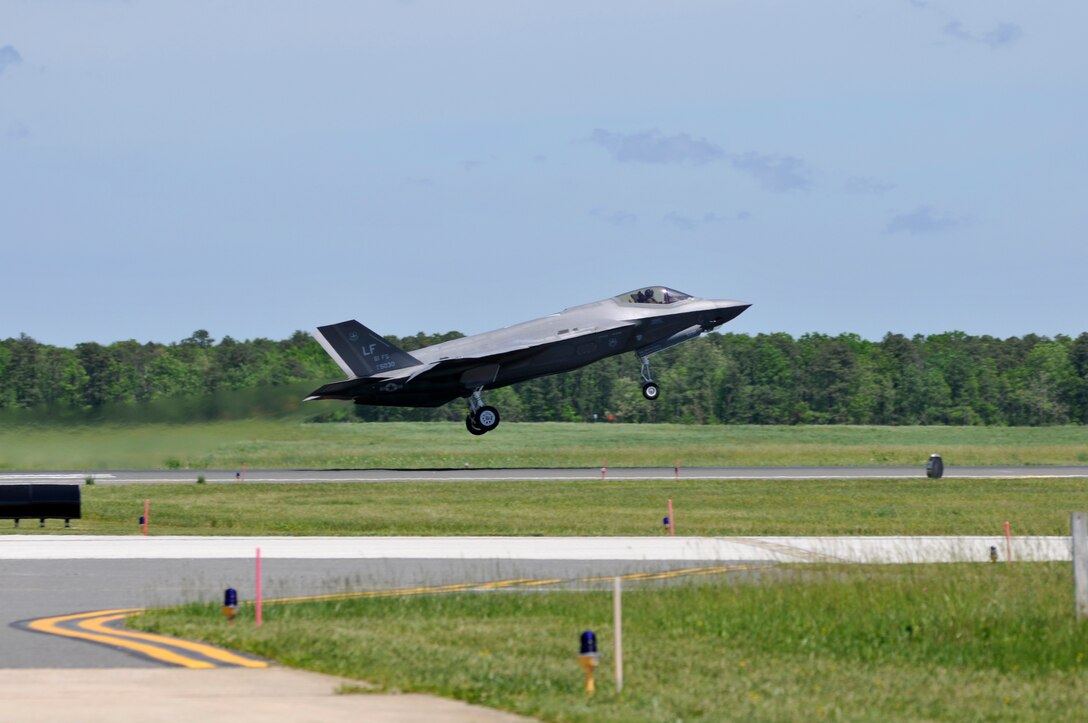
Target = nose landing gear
(650,390)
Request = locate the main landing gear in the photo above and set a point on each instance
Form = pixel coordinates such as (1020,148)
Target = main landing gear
(650,390)
(481,418)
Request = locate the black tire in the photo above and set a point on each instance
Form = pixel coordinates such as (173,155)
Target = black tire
(651,391)
(472,426)
(487,418)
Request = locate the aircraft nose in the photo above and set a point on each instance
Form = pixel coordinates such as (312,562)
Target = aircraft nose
(725,310)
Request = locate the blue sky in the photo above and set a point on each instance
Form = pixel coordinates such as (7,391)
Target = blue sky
(253,168)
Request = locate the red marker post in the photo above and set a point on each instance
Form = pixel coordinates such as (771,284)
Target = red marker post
(259,598)
(1008,543)
(604,469)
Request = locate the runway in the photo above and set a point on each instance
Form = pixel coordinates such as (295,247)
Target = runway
(60,575)
(282,476)
(38,587)
(544,550)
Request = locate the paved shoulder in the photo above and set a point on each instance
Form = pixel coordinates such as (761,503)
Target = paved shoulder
(216,696)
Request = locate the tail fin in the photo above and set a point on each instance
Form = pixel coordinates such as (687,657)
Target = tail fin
(359,351)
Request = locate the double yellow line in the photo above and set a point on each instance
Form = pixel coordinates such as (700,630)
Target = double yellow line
(101,626)
(95,627)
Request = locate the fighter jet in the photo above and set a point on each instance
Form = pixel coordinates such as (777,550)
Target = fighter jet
(645,321)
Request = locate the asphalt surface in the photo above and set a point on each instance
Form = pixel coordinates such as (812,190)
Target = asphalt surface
(34,588)
(48,575)
(277,476)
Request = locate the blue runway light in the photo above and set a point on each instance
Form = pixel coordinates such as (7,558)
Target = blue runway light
(588,643)
(230,604)
(588,659)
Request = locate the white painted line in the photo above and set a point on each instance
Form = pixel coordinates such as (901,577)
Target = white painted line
(688,549)
(56,475)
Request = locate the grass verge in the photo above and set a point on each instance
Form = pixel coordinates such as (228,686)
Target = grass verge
(948,642)
(287,444)
(702,507)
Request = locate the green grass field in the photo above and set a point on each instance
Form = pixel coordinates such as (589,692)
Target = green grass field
(288,444)
(714,508)
(949,642)
(943,642)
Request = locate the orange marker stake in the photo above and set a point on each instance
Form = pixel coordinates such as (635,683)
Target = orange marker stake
(259,598)
(1008,543)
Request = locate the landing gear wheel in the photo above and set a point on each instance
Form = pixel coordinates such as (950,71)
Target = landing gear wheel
(650,391)
(472,426)
(487,418)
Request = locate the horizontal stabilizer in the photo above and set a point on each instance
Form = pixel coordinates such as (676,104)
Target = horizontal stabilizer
(360,352)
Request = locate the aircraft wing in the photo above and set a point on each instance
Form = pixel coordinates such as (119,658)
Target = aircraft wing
(427,382)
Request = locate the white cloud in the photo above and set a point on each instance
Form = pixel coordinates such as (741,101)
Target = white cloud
(921,221)
(690,223)
(774,172)
(616,218)
(17,130)
(9,56)
(653,146)
(1003,34)
(861,184)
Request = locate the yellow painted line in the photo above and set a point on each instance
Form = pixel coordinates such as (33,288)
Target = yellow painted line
(503,583)
(51,626)
(93,626)
(98,625)
(454,587)
(696,571)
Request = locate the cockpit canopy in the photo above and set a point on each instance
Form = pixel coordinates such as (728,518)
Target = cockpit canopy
(652,295)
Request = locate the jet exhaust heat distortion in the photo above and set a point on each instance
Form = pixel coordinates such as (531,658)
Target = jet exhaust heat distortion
(644,321)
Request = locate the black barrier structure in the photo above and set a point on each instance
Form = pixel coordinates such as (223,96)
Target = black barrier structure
(41,502)
(935,466)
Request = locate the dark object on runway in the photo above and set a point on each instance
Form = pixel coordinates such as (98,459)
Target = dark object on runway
(934,467)
(41,502)
(645,321)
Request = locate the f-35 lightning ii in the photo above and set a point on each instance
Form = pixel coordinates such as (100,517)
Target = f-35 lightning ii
(645,321)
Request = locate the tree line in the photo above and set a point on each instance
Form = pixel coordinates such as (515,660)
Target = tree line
(950,378)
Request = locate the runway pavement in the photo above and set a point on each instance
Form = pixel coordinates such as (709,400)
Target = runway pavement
(555,551)
(48,580)
(44,580)
(282,476)
(55,575)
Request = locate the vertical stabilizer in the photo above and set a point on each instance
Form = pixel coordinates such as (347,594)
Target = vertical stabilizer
(359,351)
